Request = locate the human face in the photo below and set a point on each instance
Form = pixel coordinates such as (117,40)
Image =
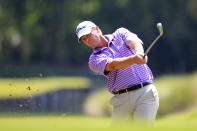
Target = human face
(93,39)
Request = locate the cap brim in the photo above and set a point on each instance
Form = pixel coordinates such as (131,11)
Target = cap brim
(83,32)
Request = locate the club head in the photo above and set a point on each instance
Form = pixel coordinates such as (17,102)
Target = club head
(160,28)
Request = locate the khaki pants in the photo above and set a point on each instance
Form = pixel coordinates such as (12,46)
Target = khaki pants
(138,105)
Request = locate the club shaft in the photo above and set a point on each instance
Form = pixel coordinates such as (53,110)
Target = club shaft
(151,45)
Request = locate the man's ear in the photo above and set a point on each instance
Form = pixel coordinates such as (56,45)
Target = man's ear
(98,29)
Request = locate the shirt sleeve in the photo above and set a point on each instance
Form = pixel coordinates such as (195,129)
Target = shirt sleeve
(127,36)
(97,63)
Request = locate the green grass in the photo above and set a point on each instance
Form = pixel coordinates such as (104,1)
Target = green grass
(177,92)
(15,88)
(62,122)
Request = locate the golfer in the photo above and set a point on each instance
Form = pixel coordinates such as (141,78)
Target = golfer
(119,57)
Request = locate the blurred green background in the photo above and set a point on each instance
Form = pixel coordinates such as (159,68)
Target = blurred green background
(37,32)
(39,54)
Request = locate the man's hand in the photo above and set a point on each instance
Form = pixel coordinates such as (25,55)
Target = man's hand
(140,59)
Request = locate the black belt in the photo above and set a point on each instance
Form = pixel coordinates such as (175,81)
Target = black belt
(133,87)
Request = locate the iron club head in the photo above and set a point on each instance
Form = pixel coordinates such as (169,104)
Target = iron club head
(160,28)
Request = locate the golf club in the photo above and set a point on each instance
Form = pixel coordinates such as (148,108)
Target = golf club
(160,29)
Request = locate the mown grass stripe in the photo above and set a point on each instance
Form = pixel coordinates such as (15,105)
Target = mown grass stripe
(24,87)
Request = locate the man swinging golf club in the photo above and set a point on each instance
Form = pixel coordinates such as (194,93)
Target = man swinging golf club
(120,57)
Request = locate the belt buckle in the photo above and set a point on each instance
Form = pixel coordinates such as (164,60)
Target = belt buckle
(142,85)
(118,93)
(127,90)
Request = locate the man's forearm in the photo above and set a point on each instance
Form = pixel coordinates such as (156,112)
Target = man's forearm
(120,63)
(124,62)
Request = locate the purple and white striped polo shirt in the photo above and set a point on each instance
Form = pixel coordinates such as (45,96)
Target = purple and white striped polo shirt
(117,48)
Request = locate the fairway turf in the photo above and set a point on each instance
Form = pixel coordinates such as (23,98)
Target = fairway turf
(21,87)
(62,122)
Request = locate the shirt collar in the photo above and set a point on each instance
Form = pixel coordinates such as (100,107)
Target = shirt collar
(110,38)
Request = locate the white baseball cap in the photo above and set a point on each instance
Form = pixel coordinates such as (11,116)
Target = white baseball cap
(84,28)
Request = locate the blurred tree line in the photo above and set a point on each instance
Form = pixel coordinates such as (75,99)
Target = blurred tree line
(43,31)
